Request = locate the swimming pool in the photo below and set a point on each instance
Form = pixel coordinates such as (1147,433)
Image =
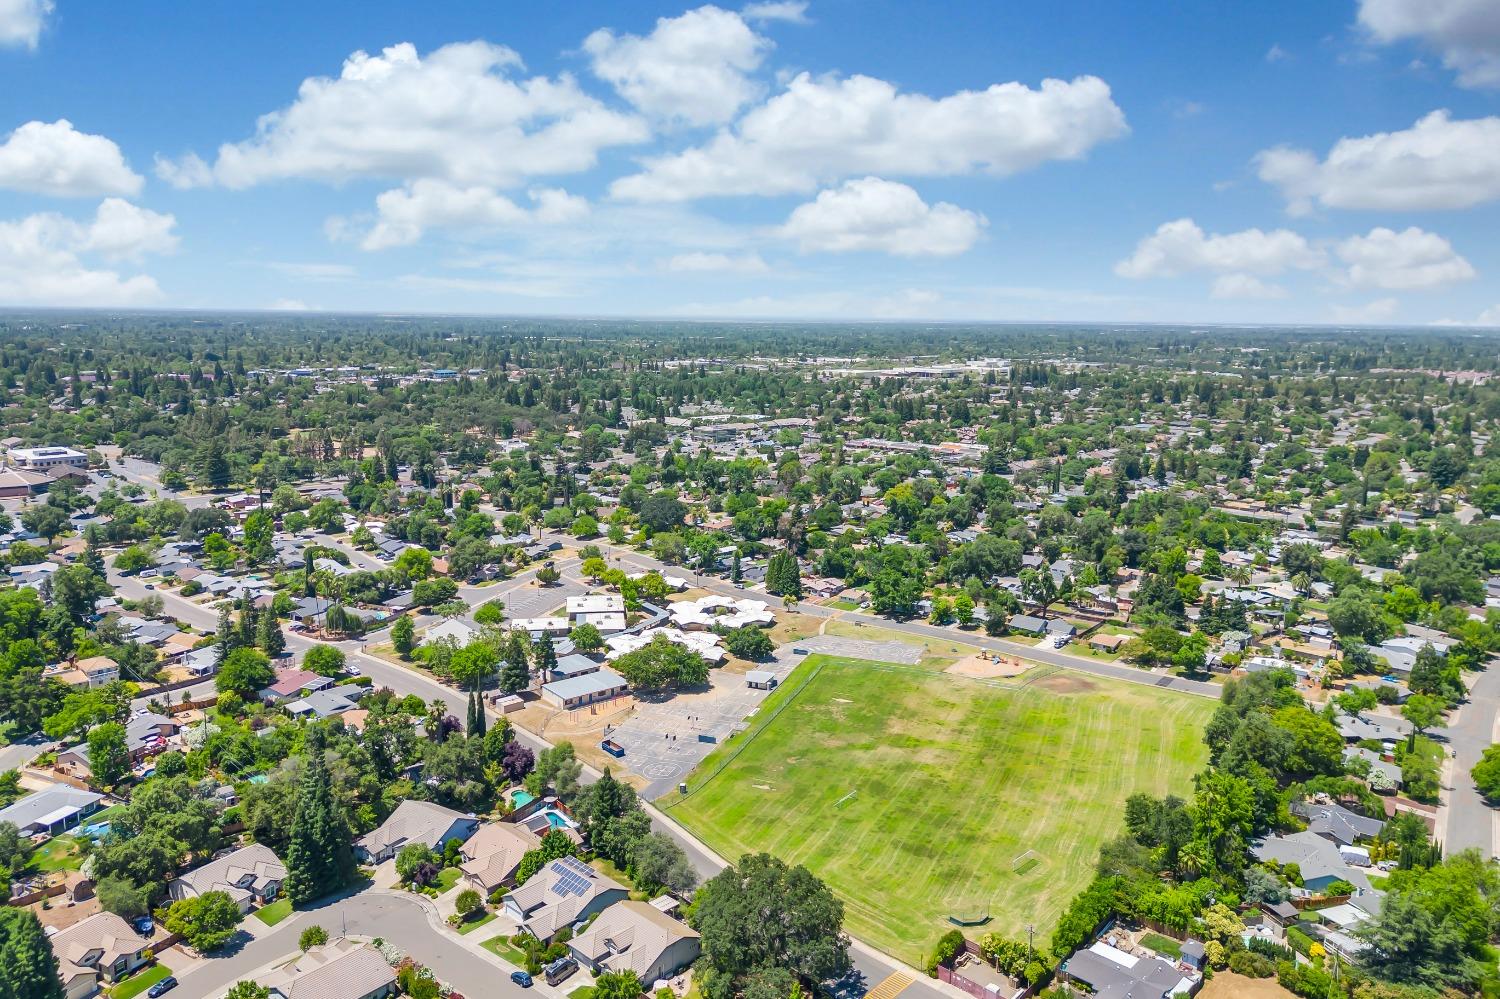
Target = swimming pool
(521,799)
(556,821)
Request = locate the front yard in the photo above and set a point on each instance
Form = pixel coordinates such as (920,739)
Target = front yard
(275,912)
(139,982)
(505,950)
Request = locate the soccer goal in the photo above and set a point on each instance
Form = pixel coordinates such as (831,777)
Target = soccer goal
(1025,863)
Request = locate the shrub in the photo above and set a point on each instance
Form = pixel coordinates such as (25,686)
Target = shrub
(948,946)
(1251,965)
(1299,941)
(1270,948)
(467,902)
(313,936)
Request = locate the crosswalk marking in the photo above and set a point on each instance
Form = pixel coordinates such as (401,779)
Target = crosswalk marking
(892,986)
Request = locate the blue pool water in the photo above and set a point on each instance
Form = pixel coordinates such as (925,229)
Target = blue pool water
(556,821)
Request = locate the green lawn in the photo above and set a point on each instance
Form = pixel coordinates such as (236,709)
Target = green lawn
(1162,945)
(139,982)
(60,853)
(505,950)
(275,912)
(582,992)
(447,878)
(916,795)
(465,929)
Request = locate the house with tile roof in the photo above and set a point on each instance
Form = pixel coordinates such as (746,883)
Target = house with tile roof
(493,855)
(414,822)
(343,969)
(102,946)
(250,875)
(560,894)
(638,937)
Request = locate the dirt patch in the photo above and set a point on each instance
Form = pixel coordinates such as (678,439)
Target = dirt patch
(984,668)
(1066,683)
(1228,985)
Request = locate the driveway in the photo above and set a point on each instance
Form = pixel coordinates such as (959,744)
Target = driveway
(1470,822)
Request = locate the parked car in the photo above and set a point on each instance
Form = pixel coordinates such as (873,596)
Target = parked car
(521,978)
(143,925)
(560,969)
(162,987)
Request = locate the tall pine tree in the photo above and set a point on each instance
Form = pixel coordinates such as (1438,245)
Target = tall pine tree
(28,967)
(515,675)
(268,634)
(319,857)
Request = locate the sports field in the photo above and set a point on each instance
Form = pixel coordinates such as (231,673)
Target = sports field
(916,795)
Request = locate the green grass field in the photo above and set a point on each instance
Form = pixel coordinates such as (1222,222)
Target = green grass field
(916,795)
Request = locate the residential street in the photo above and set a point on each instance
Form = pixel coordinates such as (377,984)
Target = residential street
(1470,822)
(399,920)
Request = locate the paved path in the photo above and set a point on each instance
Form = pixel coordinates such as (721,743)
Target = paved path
(1468,821)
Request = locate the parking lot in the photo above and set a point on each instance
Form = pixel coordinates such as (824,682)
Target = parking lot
(664,740)
(536,601)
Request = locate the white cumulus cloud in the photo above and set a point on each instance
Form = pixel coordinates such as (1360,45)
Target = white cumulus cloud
(462,114)
(824,129)
(1438,163)
(56,159)
(883,216)
(791,11)
(43,257)
(1180,247)
(721,263)
(1411,260)
(404,214)
(1465,32)
(695,67)
(21,21)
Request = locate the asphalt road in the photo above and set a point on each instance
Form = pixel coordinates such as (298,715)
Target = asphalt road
(400,921)
(1470,822)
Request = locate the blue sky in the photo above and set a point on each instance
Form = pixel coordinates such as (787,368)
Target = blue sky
(1279,162)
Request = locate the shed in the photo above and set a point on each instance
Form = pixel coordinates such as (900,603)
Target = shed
(761,679)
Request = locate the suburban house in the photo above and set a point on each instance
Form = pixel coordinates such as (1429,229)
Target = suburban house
(251,874)
(1026,624)
(1336,823)
(51,811)
(414,822)
(322,704)
(581,691)
(102,946)
(95,671)
(1110,972)
(1320,861)
(492,855)
(453,628)
(343,969)
(638,937)
(145,734)
(559,895)
(290,683)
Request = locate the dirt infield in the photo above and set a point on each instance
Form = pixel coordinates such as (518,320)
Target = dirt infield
(984,668)
(1066,683)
